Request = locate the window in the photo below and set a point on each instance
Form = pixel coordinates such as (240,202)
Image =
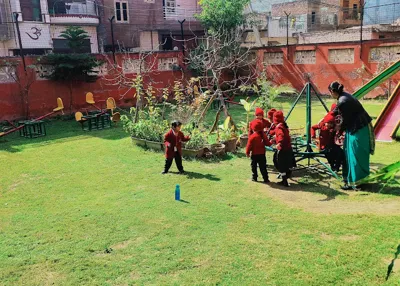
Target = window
(305,57)
(61,46)
(355,12)
(273,58)
(31,10)
(341,56)
(121,11)
(169,8)
(312,18)
(167,64)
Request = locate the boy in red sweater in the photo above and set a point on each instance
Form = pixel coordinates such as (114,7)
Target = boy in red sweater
(256,148)
(259,117)
(283,157)
(173,147)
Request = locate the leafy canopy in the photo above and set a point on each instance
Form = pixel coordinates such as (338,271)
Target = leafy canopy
(222,15)
(76,38)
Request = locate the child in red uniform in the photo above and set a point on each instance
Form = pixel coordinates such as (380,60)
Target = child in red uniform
(256,147)
(270,116)
(326,131)
(328,139)
(283,157)
(259,116)
(173,147)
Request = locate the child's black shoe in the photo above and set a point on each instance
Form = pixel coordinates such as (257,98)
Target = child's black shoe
(284,182)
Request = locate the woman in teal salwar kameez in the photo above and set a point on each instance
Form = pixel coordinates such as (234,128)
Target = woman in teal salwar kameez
(359,140)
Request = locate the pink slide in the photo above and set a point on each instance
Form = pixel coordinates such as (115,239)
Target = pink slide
(389,118)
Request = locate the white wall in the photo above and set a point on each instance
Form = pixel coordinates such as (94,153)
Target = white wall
(35,35)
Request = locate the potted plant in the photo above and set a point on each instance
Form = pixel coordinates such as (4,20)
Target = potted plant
(135,130)
(147,132)
(248,106)
(195,146)
(154,138)
(213,147)
(227,135)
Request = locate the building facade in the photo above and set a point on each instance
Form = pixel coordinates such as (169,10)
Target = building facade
(149,24)
(382,12)
(41,22)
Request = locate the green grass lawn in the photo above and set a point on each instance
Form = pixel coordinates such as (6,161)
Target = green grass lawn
(88,208)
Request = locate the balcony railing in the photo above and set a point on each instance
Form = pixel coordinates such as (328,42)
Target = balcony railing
(72,8)
(176,13)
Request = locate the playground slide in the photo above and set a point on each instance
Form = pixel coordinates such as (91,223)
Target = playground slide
(387,73)
(388,121)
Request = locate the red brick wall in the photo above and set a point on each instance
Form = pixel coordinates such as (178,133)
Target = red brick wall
(322,72)
(43,93)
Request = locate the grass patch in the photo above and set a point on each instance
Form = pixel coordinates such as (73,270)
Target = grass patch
(82,208)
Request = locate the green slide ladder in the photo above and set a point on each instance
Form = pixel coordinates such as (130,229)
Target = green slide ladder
(387,73)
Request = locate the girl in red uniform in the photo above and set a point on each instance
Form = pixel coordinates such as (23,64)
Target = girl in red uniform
(256,148)
(283,157)
(173,147)
(259,117)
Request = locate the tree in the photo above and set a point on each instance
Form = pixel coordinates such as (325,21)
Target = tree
(135,74)
(76,38)
(218,56)
(222,15)
(72,67)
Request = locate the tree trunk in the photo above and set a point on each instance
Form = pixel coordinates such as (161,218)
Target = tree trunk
(27,103)
(70,97)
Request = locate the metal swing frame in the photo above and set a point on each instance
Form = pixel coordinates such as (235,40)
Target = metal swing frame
(306,144)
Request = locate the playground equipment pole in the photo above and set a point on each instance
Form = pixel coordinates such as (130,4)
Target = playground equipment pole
(308,120)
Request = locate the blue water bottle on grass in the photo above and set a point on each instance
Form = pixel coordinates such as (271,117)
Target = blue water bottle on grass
(177,193)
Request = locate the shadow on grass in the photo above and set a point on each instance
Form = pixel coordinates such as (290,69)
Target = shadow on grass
(316,181)
(59,131)
(195,175)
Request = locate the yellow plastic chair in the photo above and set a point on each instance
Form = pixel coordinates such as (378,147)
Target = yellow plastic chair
(79,118)
(116,117)
(60,105)
(90,98)
(111,103)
